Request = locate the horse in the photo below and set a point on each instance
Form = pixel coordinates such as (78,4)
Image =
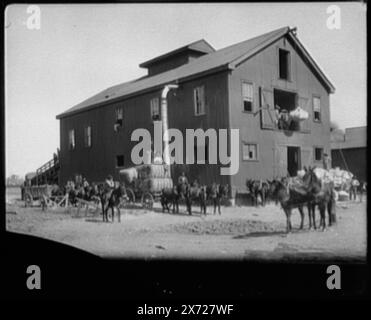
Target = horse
(72,195)
(216,192)
(290,198)
(256,188)
(111,199)
(323,196)
(172,196)
(91,193)
(195,193)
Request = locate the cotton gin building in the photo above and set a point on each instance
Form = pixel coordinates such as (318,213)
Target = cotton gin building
(241,87)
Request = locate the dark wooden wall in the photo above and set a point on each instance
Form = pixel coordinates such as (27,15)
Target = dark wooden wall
(355,160)
(97,162)
(262,71)
(224,110)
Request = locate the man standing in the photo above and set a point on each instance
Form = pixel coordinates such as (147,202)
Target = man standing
(353,188)
(362,190)
(326,161)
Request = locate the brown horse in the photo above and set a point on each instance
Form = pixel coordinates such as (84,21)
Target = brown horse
(291,198)
(171,196)
(111,199)
(195,193)
(257,188)
(323,197)
(216,192)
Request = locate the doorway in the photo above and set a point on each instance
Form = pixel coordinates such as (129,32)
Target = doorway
(293,160)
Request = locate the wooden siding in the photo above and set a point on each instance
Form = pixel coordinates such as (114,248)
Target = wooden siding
(262,71)
(97,162)
(224,109)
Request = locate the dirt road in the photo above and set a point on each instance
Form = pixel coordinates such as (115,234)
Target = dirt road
(239,233)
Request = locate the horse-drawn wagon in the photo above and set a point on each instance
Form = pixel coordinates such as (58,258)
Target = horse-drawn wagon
(145,182)
(36,193)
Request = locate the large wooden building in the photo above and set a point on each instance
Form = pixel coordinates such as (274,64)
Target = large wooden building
(235,87)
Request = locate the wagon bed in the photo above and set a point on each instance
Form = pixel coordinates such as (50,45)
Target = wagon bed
(145,182)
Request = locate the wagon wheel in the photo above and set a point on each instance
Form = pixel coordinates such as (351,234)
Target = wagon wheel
(131,195)
(129,199)
(28,200)
(147,200)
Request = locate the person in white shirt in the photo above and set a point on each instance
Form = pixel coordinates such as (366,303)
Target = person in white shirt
(354,188)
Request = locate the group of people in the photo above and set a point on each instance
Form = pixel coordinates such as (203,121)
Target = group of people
(357,187)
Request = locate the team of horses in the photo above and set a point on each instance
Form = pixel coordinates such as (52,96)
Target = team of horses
(310,193)
(194,194)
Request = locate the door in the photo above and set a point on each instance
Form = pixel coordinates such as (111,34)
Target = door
(293,160)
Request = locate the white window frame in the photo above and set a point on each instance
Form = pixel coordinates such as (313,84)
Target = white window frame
(87,136)
(247,98)
(315,109)
(288,65)
(119,114)
(199,100)
(249,145)
(71,139)
(155,106)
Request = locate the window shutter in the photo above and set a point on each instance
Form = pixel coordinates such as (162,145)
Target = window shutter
(280,161)
(195,100)
(268,117)
(304,103)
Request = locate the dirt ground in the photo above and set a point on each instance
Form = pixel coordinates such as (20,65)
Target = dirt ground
(238,233)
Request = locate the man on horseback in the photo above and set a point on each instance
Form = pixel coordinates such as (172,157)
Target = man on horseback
(109,185)
(182,179)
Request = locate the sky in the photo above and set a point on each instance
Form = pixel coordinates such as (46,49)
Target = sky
(79,50)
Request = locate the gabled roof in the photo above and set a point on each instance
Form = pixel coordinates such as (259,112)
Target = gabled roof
(198,46)
(226,58)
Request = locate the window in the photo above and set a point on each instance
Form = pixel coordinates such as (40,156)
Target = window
(316,109)
(318,154)
(119,119)
(199,100)
(250,151)
(285,102)
(87,136)
(155,109)
(71,139)
(119,161)
(284,64)
(247,96)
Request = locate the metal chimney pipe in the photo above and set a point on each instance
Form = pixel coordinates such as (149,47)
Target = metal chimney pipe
(165,121)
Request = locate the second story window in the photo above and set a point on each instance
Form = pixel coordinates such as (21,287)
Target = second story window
(87,136)
(71,139)
(284,64)
(119,119)
(316,109)
(155,109)
(119,161)
(199,100)
(247,96)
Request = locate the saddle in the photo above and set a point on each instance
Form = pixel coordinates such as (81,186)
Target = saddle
(296,187)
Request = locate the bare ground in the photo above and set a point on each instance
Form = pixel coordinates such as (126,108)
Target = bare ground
(239,233)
